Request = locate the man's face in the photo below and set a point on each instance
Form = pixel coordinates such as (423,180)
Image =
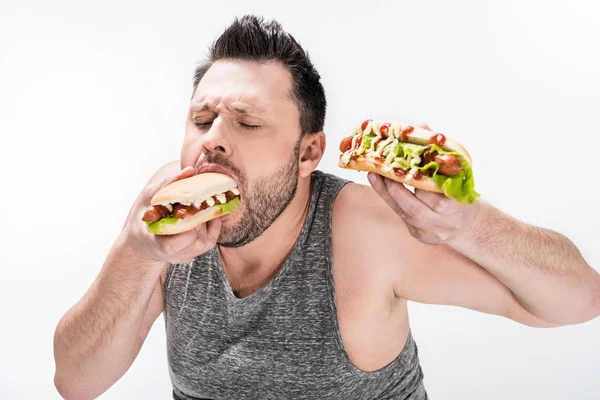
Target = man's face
(243,119)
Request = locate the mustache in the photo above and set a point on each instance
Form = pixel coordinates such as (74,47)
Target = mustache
(218,159)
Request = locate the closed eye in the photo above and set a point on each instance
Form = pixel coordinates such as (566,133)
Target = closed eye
(203,125)
(206,125)
(247,126)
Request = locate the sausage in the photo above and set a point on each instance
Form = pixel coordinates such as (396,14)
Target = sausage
(180,211)
(449,165)
(425,158)
(151,215)
(229,195)
(346,144)
(155,213)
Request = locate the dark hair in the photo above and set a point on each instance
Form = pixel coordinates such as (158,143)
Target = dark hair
(252,38)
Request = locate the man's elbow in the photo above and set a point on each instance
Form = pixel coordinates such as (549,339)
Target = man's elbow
(590,308)
(64,389)
(67,389)
(592,311)
(581,314)
(578,317)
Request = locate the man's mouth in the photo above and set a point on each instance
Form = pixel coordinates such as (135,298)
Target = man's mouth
(204,168)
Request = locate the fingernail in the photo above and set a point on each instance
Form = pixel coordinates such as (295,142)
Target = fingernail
(372,178)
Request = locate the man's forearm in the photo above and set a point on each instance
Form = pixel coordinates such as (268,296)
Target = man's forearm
(544,270)
(98,339)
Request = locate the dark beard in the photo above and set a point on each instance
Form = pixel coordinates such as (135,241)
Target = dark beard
(264,202)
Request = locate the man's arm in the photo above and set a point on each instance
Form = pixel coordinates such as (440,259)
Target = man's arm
(545,270)
(98,339)
(440,274)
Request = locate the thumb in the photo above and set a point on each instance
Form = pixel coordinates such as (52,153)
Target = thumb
(424,126)
(184,173)
(376,181)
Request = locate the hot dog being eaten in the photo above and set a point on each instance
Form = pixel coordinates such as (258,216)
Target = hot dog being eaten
(185,204)
(411,155)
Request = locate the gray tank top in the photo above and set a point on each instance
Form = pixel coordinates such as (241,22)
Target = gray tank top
(283,341)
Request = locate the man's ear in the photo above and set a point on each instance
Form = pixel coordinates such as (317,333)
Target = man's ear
(311,151)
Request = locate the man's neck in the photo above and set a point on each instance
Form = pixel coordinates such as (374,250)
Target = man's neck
(267,253)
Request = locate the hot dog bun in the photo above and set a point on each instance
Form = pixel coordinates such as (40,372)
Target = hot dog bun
(192,192)
(195,188)
(362,163)
(412,155)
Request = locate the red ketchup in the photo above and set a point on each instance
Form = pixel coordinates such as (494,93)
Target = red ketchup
(364,124)
(384,128)
(399,172)
(438,139)
(405,132)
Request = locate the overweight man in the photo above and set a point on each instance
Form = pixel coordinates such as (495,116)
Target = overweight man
(302,292)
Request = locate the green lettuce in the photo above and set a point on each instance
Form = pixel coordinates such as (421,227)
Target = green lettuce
(402,149)
(226,208)
(156,226)
(460,187)
(386,150)
(412,149)
(365,143)
(230,206)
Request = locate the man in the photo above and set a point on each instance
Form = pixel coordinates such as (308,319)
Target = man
(302,292)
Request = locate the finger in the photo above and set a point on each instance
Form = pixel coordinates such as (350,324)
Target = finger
(173,244)
(424,126)
(432,199)
(213,230)
(410,208)
(438,202)
(206,238)
(184,173)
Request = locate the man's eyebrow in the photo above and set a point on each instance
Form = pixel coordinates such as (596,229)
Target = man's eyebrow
(239,108)
(247,109)
(200,107)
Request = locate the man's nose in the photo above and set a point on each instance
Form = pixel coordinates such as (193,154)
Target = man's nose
(216,139)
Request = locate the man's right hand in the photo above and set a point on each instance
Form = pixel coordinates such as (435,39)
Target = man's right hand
(98,339)
(149,248)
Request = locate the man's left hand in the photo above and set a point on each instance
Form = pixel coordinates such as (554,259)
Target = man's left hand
(430,217)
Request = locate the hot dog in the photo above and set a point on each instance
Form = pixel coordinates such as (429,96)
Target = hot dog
(411,155)
(188,203)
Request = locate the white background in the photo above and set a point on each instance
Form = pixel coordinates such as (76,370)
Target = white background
(93,100)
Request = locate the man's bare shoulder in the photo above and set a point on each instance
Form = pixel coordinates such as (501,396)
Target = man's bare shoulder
(370,238)
(359,206)
(364,231)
